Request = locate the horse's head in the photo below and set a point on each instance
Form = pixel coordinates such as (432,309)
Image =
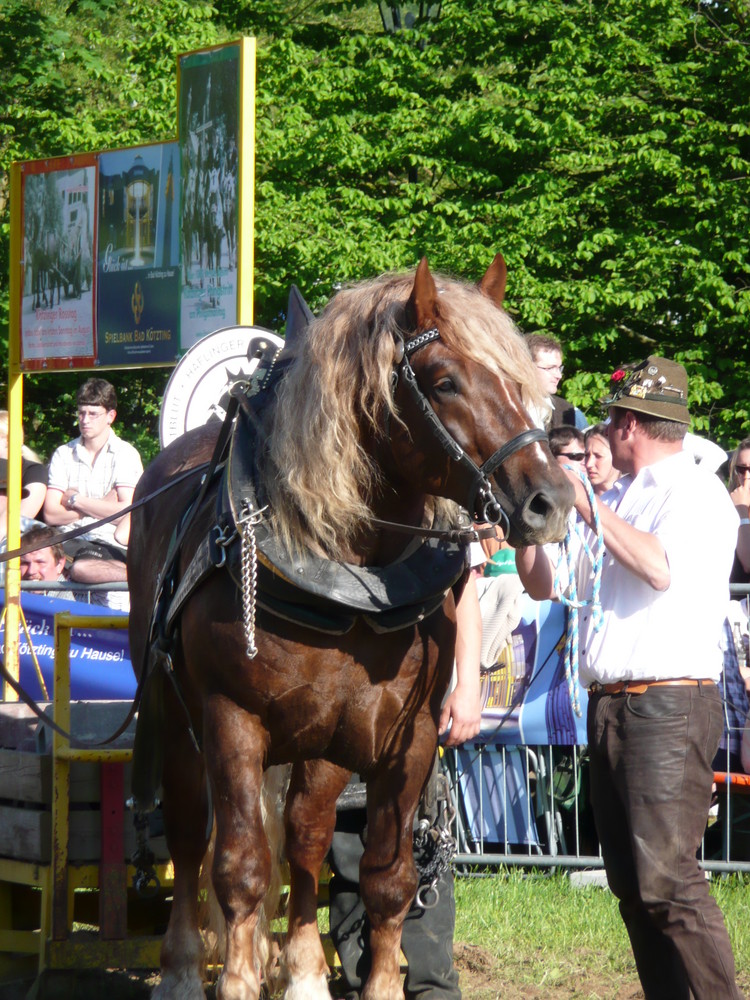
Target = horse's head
(464,384)
(366,401)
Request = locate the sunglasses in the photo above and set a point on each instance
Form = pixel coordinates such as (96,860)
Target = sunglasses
(742,470)
(578,456)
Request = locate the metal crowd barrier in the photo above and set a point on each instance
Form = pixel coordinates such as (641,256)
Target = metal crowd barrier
(528,806)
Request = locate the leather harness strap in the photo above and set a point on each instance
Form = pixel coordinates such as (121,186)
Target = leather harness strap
(640,687)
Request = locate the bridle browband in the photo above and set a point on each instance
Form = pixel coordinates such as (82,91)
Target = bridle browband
(483,504)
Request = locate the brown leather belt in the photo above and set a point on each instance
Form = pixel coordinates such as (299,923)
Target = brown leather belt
(640,687)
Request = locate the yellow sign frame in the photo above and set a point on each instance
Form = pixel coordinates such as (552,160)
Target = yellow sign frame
(244,317)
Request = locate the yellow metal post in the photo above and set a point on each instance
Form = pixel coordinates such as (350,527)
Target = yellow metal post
(61,780)
(246,193)
(15,433)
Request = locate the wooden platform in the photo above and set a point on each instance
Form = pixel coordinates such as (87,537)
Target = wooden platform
(66,839)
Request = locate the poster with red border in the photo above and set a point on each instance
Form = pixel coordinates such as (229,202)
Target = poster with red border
(58,226)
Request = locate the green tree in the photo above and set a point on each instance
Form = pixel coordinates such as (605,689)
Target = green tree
(603,148)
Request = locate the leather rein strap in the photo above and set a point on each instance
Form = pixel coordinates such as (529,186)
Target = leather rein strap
(483,504)
(65,536)
(61,537)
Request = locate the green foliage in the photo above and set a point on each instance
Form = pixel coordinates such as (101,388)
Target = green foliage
(604,149)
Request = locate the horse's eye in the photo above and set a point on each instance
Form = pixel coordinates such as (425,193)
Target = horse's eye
(446,387)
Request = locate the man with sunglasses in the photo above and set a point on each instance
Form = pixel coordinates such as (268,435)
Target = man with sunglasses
(651,663)
(567,445)
(546,353)
(90,478)
(739,484)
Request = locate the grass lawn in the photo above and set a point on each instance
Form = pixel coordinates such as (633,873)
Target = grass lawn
(521,936)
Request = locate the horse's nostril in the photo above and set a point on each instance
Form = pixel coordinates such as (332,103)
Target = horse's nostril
(540,505)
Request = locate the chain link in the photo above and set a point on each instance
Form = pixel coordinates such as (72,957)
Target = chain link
(436,848)
(249,560)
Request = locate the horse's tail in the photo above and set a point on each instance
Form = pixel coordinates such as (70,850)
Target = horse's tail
(211,919)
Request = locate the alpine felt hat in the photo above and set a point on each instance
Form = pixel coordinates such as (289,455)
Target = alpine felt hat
(655,386)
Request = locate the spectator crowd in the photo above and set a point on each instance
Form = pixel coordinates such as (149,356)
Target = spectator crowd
(88,479)
(94,475)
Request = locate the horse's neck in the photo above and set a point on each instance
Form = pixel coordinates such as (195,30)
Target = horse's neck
(380,546)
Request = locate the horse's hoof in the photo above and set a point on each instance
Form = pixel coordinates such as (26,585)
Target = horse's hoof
(312,987)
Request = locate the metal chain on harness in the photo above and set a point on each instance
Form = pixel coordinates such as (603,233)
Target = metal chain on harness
(145,880)
(249,563)
(435,848)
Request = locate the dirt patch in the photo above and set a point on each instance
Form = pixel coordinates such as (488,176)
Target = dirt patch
(482,977)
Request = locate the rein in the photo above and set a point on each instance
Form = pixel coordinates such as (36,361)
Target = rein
(61,537)
(65,536)
(462,536)
(483,503)
(567,591)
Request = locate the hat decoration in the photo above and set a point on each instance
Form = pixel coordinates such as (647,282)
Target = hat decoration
(656,386)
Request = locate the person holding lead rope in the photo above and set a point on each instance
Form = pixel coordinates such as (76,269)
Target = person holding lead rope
(650,657)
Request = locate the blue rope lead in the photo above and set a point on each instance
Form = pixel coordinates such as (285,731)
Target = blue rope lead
(567,591)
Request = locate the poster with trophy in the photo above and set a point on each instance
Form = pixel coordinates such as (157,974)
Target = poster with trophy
(138,265)
(127,258)
(209,140)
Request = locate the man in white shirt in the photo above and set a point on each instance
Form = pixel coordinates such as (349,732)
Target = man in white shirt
(91,477)
(655,715)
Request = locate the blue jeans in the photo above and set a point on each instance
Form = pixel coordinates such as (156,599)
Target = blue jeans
(651,778)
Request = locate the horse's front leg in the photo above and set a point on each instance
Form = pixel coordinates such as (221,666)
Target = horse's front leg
(234,748)
(310,819)
(388,875)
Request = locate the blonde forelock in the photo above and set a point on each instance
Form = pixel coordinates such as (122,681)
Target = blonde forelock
(336,395)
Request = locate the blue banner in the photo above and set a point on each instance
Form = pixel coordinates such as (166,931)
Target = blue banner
(526,695)
(100,666)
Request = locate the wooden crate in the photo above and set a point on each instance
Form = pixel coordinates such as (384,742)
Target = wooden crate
(26,785)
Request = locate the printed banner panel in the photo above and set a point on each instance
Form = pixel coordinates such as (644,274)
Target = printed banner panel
(100,667)
(209,125)
(139,256)
(58,285)
(526,695)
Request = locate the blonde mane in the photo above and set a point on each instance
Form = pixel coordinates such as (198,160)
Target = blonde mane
(317,474)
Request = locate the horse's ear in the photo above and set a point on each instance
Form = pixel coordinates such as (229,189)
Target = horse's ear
(422,309)
(298,318)
(493,283)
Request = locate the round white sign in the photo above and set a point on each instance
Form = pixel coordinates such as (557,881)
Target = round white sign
(198,390)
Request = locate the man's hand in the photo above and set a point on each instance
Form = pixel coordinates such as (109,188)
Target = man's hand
(462,713)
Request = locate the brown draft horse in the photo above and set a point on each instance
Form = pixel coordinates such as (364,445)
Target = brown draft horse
(346,446)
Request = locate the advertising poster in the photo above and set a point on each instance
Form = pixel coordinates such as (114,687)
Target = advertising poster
(209,119)
(57,299)
(138,265)
(100,667)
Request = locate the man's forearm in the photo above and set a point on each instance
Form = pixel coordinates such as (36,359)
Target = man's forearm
(536,572)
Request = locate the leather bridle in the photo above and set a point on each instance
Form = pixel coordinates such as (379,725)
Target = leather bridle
(483,504)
